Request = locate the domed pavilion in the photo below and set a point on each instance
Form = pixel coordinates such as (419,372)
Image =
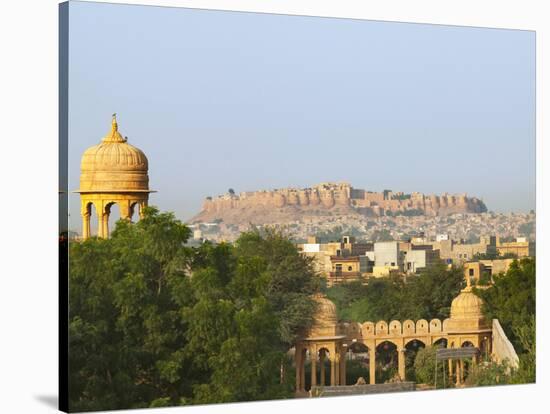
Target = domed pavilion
(467,326)
(323,341)
(112,172)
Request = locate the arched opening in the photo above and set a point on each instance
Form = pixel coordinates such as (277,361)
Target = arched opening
(135,211)
(411,350)
(91,209)
(113,215)
(357,363)
(441,343)
(386,362)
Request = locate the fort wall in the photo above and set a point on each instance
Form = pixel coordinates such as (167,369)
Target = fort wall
(343,195)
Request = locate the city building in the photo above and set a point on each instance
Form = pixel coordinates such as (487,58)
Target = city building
(344,269)
(521,247)
(459,252)
(485,269)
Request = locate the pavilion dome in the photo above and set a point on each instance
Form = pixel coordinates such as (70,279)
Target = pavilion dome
(467,305)
(114,166)
(326,310)
(467,313)
(325,321)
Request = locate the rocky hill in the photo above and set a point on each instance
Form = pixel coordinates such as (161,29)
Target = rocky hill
(329,199)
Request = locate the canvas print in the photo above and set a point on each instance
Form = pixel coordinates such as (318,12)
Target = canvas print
(259,206)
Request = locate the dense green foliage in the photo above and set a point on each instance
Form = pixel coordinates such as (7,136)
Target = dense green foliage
(427,295)
(425,369)
(156,323)
(489,373)
(511,300)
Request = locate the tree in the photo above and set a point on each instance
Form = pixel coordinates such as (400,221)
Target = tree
(124,329)
(526,335)
(156,323)
(247,317)
(425,296)
(489,373)
(424,367)
(511,299)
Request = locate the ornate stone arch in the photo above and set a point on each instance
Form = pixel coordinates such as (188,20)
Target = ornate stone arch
(409,340)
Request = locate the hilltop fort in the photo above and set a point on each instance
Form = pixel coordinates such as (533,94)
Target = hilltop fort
(268,206)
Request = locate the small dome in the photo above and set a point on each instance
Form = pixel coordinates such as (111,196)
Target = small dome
(467,305)
(325,321)
(114,165)
(467,313)
(326,310)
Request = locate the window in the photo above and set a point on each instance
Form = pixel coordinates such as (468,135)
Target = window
(393,263)
(350,268)
(471,272)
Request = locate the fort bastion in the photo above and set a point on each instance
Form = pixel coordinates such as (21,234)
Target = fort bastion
(342,197)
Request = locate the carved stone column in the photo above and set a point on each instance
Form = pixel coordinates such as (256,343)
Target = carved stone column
(372,365)
(141,206)
(322,363)
(106,225)
(313,356)
(303,372)
(343,366)
(333,369)
(297,357)
(458,373)
(86,225)
(125,211)
(100,226)
(401,363)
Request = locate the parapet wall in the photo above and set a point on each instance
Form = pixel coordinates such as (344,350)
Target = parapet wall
(356,330)
(330,195)
(503,350)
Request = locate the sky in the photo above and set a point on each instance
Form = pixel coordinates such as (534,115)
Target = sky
(250,101)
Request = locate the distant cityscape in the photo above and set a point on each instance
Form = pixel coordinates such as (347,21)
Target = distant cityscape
(468,227)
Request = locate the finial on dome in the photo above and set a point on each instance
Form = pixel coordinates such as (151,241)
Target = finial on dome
(114,124)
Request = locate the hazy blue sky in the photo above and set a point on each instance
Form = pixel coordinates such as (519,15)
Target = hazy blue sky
(257,101)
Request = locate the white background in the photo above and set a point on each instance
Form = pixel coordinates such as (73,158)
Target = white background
(28,207)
